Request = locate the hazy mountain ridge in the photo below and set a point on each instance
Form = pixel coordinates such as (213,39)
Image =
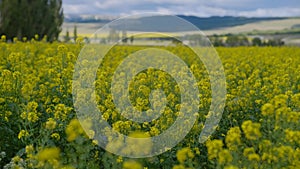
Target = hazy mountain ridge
(203,23)
(215,22)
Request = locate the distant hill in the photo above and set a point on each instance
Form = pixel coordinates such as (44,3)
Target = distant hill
(209,23)
(216,22)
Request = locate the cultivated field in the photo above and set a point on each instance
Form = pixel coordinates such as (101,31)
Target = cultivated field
(39,127)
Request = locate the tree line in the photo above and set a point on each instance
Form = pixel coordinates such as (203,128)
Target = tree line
(240,40)
(31,19)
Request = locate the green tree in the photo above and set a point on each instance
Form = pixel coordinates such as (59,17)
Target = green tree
(131,39)
(75,33)
(67,36)
(256,42)
(26,18)
(235,40)
(124,36)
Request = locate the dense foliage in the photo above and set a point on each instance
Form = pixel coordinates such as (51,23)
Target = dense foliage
(31,19)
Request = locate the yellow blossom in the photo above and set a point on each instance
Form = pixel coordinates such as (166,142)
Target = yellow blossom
(48,154)
(251,130)
(267,109)
(131,164)
(2,100)
(248,150)
(224,156)
(292,136)
(16,159)
(73,130)
(230,167)
(233,138)
(29,149)
(23,133)
(119,159)
(184,154)
(253,157)
(265,145)
(50,124)
(213,148)
(180,166)
(56,136)
(32,117)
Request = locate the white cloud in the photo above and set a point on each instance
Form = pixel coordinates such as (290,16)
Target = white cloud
(203,11)
(108,4)
(76,8)
(215,11)
(275,12)
(250,8)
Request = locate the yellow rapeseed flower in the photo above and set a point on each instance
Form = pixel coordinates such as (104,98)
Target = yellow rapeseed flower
(56,136)
(50,124)
(16,159)
(180,166)
(32,117)
(253,157)
(213,148)
(270,158)
(267,109)
(265,145)
(231,167)
(251,130)
(48,154)
(23,133)
(29,149)
(248,150)
(119,159)
(224,156)
(73,130)
(233,138)
(184,154)
(131,164)
(2,100)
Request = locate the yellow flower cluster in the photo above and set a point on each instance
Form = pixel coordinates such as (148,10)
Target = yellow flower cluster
(184,154)
(23,133)
(73,130)
(48,154)
(31,114)
(132,165)
(50,124)
(251,130)
(292,136)
(224,156)
(250,154)
(233,138)
(267,109)
(214,147)
(50,158)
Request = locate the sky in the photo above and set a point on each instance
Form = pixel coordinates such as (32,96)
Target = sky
(202,8)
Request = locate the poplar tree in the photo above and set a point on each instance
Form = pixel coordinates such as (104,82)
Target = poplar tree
(27,18)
